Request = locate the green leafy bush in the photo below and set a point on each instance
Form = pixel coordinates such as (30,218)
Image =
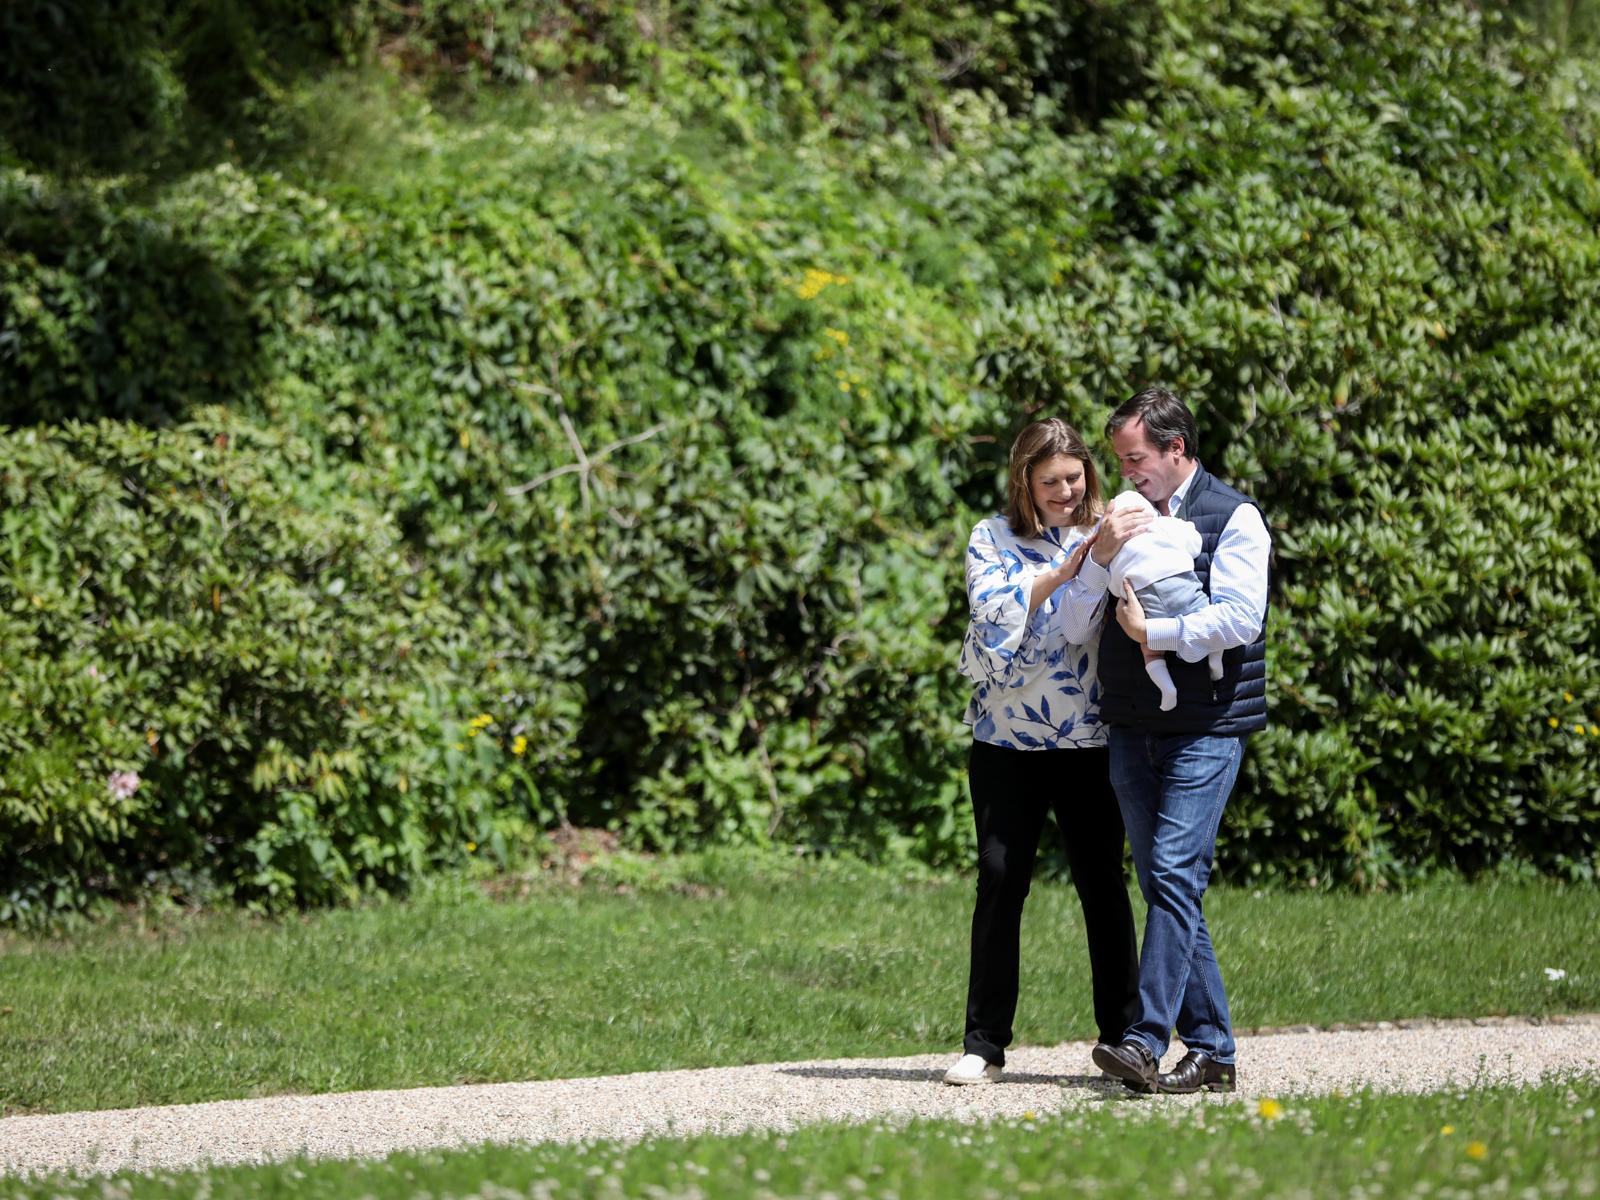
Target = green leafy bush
(653,418)
(1374,272)
(221,680)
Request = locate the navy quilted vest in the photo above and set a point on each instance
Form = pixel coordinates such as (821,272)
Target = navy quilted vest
(1234,704)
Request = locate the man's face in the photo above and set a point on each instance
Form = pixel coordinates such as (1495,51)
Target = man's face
(1154,473)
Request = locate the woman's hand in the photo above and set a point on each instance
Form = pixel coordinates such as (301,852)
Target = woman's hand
(1074,563)
(1050,580)
(1116,528)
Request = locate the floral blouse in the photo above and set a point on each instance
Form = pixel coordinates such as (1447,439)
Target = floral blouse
(1034,683)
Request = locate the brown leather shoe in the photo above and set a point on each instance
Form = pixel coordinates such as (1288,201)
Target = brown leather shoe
(1196,1070)
(1130,1062)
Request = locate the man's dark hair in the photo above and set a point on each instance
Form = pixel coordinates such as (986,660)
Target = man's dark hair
(1165,418)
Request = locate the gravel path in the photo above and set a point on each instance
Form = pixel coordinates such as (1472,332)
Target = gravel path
(1403,1057)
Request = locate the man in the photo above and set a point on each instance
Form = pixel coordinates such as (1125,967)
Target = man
(1173,770)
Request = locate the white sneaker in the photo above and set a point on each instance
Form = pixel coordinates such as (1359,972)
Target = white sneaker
(972,1068)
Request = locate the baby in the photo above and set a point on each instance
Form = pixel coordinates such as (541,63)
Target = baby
(1160,565)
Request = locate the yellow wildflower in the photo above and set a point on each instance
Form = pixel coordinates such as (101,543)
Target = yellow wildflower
(482,721)
(1270,1109)
(472,847)
(1447,1130)
(1568,697)
(520,745)
(1477,1150)
(838,335)
(1580,729)
(1555,722)
(814,281)
(460,745)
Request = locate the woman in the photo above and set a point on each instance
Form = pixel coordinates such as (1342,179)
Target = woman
(1038,745)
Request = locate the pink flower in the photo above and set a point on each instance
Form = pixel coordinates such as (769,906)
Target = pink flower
(123,783)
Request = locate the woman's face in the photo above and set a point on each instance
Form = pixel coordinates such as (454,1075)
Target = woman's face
(1058,485)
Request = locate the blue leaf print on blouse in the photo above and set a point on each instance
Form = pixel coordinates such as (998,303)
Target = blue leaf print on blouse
(1031,695)
(1001,589)
(990,634)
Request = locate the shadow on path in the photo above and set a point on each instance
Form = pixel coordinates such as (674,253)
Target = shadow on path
(1094,1083)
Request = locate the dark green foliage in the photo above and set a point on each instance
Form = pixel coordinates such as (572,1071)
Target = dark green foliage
(654,417)
(1380,291)
(111,312)
(149,86)
(261,655)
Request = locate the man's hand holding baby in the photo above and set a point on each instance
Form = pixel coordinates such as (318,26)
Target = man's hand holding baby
(1116,527)
(1130,615)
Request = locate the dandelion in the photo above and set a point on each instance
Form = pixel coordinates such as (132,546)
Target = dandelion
(482,721)
(1554,974)
(519,746)
(472,847)
(838,335)
(1270,1109)
(1568,697)
(1580,729)
(1447,1130)
(1555,722)
(123,783)
(1477,1151)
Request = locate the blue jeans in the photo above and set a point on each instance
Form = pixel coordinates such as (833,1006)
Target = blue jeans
(1171,790)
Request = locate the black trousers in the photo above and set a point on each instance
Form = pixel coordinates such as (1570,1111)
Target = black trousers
(1012,790)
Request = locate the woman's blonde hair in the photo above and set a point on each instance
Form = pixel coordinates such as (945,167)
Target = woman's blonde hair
(1037,443)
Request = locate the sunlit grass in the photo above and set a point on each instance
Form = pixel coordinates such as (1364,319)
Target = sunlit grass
(717,960)
(1539,1141)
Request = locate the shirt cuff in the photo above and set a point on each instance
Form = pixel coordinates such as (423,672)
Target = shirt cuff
(1095,577)
(1163,633)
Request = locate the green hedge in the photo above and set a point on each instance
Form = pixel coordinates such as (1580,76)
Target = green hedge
(1379,287)
(1359,237)
(222,680)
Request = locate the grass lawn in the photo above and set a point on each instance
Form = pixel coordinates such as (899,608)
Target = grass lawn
(749,962)
(1542,1141)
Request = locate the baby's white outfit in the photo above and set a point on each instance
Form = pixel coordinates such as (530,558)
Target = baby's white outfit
(1160,565)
